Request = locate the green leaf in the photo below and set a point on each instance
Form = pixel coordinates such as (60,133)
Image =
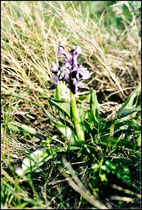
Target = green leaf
(62,106)
(76,119)
(25,129)
(120,167)
(133,99)
(131,105)
(88,123)
(131,125)
(124,112)
(83,97)
(94,106)
(138,140)
(35,160)
(103,179)
(81,112)
(110,141)
(67,132)
(57,91)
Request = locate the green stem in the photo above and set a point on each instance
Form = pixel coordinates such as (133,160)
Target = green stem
(79,131)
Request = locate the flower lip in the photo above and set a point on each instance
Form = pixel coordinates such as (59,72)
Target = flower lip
(83,73)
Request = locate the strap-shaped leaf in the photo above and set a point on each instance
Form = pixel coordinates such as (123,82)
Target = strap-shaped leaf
(125,112)
(131,105)
(67,132)
(35,160)
(81,112)
(62,106)
(38,158)
(111,141)
(57,91)
(25,129)
(133,100)
(94,105)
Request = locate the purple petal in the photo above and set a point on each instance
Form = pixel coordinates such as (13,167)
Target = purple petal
(54,68)
(61,76)
(67,66)
(64,60)
(81,85)
(67,59)
(83,73)
(77,50)
(64,74)
(72,72)
(55,80)
(74,61)
(65,69)
(75,54)
(66,77)
(61,50)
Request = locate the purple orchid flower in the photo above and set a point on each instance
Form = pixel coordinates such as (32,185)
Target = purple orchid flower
(72,72)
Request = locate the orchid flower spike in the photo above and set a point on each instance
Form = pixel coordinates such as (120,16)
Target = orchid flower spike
(70,70)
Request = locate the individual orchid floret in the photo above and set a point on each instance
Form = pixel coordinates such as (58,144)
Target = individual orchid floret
(61,50)
(75,54)
(54,68)
(77,51)
(64,75)
(83,73)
